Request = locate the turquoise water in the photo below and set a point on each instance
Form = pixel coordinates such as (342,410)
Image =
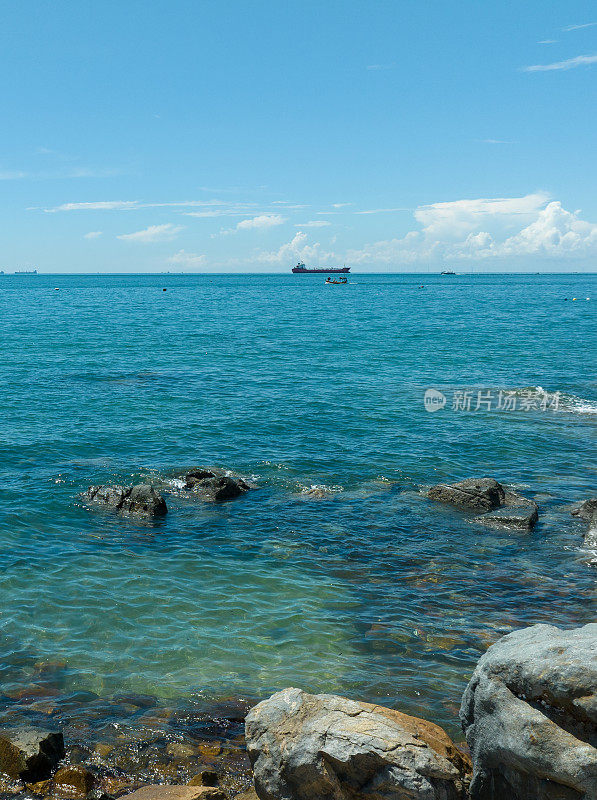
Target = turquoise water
(371,590)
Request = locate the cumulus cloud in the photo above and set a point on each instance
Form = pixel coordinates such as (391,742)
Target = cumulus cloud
(93,235)
(154,233)
(509,228)
(455,219)
(190,260)
(297,249)
(570,63)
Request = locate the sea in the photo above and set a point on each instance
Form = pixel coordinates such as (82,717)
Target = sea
(335,573)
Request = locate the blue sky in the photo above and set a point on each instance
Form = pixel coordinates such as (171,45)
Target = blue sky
(244,136)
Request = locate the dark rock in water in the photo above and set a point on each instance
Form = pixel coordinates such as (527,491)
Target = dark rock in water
(588,512)
(165,792)
(585,510)
(196,475)
(29,754)
(505,508)
(73,782)
(530,716)
(220,488)
(480,494)
(324,747)
(140,499)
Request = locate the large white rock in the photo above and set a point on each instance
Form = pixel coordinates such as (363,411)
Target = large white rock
(324,747)
(530,716)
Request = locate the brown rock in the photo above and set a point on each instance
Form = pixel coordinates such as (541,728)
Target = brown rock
(176,793)
(103,749)
(250,794)
(40,789)
(318,747)
(181,750)
(73,782)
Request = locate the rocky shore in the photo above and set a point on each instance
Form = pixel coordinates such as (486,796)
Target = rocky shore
(529,716)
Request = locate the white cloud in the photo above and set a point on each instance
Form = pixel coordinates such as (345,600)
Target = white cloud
(297,249)
(213,213)
(455,219)
(548,41)
(314,223)
(555,232)
(154,233)
(340,205)
(507,228)
(129,205)
(570,63)
(579,27)
(260,222)
(496,141)
(93,235)
(184,259)
(99,205)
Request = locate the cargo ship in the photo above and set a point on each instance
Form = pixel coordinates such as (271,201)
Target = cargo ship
(301,269)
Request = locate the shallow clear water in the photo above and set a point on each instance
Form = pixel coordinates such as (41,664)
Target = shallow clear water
(371,591)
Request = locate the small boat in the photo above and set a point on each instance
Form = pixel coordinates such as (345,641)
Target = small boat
(448,272)
(339,281)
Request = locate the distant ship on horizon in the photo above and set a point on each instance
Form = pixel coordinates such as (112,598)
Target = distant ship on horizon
(301,269)
(25,272)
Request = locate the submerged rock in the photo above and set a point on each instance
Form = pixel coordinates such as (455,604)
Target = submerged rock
(29,754)
(141,499)
(318,747)
(73,782)
(501,507)
(530,716)
(516,512)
